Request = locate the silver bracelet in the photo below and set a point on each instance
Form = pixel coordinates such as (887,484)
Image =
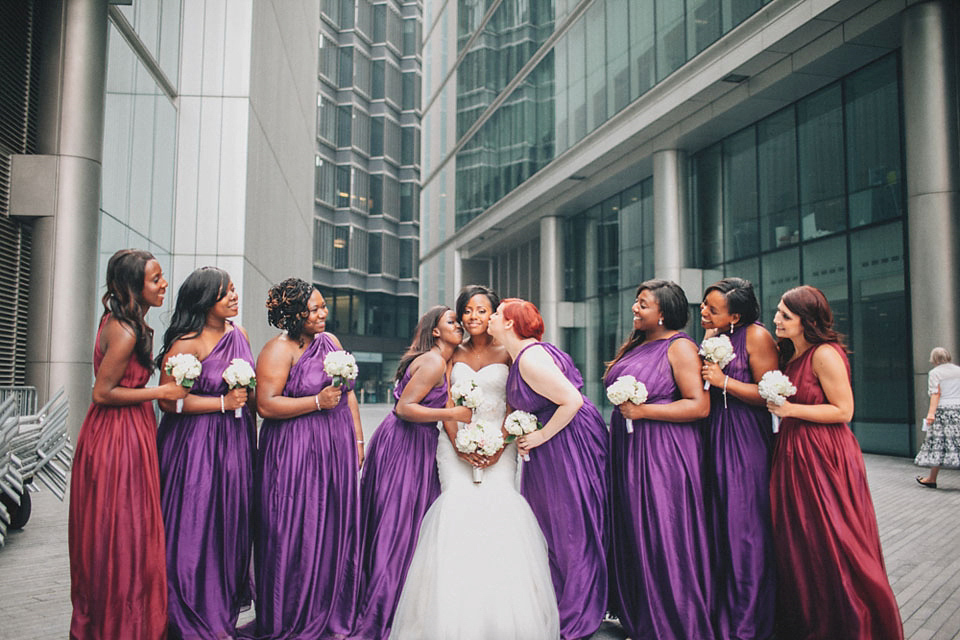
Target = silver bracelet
(316,400)
(725,378)
(221,405)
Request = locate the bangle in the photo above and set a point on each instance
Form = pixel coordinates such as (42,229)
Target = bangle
(316,401)
(359,441)
(221,405)
(725,378)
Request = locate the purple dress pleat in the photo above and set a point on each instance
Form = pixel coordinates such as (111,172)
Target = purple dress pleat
(206,482)
(737,468)
(399,484)
(565,484)
(659,557)
(306,546)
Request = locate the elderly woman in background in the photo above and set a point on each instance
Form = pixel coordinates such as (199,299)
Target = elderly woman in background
(942,446)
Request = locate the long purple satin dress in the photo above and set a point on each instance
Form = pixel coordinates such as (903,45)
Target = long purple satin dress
(737,469)
(565,483)
(659,557)
(206,483)
(399,484)
(306,545)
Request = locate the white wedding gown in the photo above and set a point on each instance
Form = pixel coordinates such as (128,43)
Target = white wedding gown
(480,570)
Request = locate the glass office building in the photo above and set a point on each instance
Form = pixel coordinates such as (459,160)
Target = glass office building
(573,149)
(367,180)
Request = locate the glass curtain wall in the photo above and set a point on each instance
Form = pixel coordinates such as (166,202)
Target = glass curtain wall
(139,140)
(814,194)
(606,57)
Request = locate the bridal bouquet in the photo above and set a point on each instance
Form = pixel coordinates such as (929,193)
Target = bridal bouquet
(466,393)
(520,423)
(185,369)
(479,437)
(775,387)
(240,374)
(627,389)
(719,351)
(342,367)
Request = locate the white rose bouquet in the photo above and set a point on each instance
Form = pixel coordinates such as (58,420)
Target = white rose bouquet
(342,367)
(520,423)
(479,437)
(719,351)
(466,393)
(240,374)
(775,387)
(627,389)
(185,369)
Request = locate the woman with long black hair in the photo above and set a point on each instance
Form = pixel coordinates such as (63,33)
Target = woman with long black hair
(206,463)
(118,581)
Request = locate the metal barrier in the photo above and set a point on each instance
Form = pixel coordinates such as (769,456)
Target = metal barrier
(26,398)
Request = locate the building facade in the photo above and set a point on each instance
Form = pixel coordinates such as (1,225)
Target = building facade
(367,180)
(153,124)
(573,149)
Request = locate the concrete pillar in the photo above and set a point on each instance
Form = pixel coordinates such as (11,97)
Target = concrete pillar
(64,305)
(933,181)
(551,275)
(669,211)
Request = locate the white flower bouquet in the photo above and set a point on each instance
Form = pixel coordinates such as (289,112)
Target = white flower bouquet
(479,437)
(185,369)
(240,374)
(520,423)
(466,393)
(627,389)
(775,387)
(342,367)
(719,351)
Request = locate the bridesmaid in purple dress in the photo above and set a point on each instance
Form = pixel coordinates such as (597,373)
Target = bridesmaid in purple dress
(565,479)
(206,464)
(400,479)
(659,557)
(737,465)
(311,448)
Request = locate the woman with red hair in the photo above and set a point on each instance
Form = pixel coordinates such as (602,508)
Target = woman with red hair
(831,578)
(564,480)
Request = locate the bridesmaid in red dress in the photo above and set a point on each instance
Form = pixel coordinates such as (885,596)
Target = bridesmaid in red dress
(831,578)
(117,565)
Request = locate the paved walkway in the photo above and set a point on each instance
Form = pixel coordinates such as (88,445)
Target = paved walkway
(919,529)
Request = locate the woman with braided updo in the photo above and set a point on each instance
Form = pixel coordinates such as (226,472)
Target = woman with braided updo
(311,448)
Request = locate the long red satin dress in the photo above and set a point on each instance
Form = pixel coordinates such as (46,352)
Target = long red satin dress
(118,576)
(831,580)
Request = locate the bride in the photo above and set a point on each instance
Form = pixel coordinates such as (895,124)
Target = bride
(480,569)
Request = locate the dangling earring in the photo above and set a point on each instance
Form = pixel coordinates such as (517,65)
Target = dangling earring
(731,326)
(660,321)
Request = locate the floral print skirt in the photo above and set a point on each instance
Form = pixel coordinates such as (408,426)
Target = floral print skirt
(942,446)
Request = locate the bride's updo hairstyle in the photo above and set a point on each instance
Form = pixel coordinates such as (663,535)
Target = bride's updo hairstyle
(475,290)
(287,305)
(527,321)
(816,317)
(423,338)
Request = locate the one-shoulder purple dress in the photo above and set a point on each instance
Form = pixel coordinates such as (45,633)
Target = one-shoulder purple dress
(737,468)
(660,582)
(206,484)
(565,483)
(306,547)
(399,484)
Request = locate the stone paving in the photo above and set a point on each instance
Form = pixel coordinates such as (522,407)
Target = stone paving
(919,529)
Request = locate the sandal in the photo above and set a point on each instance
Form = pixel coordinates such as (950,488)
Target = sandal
(928,485)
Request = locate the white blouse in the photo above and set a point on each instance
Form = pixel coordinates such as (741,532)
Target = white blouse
(946,378)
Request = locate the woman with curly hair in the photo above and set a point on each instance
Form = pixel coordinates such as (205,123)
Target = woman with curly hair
(206,463)
(831,580)
(118,580)
(311,448)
